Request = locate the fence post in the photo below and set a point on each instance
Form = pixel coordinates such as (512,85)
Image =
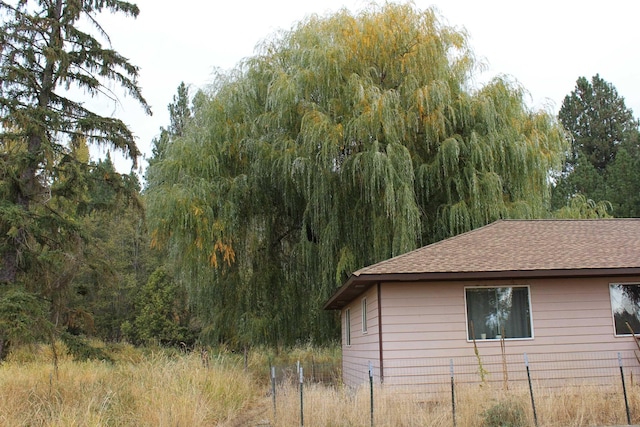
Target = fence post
(273,390)
(298,370)
(624,389)
(453,393)
(371,390)
(533,402)
(301,399)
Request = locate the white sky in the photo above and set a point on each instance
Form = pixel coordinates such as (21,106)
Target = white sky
(545,45)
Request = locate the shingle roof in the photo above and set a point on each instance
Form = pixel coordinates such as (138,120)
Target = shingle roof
(509,245)
(514,248)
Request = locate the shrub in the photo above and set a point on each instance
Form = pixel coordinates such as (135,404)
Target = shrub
(505,414)
(82,349)
(162,316)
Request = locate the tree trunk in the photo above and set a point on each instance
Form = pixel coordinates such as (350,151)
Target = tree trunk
(9,267)
(28,187)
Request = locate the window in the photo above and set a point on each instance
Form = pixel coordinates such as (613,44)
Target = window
(492,312)
(347,326)
(364,315)
(625,304)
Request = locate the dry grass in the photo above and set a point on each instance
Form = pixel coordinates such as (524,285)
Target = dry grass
(160,388)
(335,406)
(157,389)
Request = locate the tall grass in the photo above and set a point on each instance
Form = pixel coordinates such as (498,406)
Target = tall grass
(172,388)
(153,389)
(476,407)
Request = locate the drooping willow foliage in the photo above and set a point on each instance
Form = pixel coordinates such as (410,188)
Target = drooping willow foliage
(345,141)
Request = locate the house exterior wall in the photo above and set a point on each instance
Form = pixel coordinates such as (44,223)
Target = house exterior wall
(364,347)
(424,329)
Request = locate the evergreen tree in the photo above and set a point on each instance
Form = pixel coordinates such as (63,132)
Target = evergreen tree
(623,189)
(43,171)
(344,141)
(162,311)
(179,116)
(118,258)
(597,120)
(603,158)
(162,314)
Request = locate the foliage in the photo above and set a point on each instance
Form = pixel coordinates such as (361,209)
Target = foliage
(347,140)
(623,186)
(81,349)
(597,119)
(44,137)
(179,117)
(23,318)
(581,207)
(507,413)
(604,155)
(162,308)
(162,315)
(118,260)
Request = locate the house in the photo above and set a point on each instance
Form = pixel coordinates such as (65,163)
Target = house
(560,291)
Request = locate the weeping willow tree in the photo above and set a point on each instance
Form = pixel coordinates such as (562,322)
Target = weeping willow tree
(347,140)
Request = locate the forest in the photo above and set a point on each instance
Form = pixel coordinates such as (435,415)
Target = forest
(347,140)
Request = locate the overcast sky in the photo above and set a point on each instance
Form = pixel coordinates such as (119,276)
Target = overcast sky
(545,45)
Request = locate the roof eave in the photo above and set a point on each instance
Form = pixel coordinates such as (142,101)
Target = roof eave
(357,284)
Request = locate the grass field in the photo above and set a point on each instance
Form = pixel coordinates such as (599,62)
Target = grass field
(140,388)
(475,408)
(145,387)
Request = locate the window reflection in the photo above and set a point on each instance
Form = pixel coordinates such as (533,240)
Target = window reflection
(492,312)
(625,304)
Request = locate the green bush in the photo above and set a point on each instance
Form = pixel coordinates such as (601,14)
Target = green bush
(81,349)
(162,313)
(505,414)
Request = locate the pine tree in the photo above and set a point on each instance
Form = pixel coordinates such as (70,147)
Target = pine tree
(601,128)
(43,53)
(598,121)
(179,116)
(48,65)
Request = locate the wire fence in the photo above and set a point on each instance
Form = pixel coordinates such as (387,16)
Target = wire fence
(314,372)
(598,388)
(549,371)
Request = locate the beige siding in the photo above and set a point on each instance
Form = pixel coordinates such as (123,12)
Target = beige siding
(364,347)
(424,326)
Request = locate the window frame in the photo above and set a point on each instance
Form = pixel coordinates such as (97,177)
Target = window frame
(347,327)
(363,304)
(613,316)
(485,287)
